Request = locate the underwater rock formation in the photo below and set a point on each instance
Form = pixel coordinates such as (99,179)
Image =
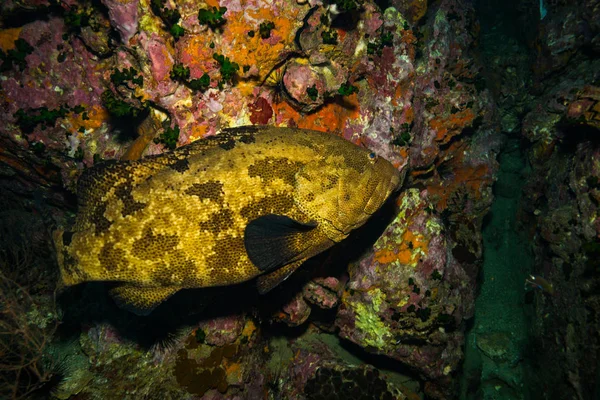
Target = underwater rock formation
(406,298)
(562,198)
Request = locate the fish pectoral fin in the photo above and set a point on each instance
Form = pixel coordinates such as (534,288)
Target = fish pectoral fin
(273,241)
(141,300)
(267,282)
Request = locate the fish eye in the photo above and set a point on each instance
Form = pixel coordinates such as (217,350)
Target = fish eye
(372,156)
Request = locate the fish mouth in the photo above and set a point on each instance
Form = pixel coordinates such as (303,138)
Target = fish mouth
(391,179)
(395,182)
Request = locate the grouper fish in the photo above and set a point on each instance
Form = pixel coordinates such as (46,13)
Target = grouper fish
(250,201)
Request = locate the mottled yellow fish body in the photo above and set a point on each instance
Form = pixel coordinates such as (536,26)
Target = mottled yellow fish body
(222,210)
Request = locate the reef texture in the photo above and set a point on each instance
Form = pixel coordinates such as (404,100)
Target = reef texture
(405,298)
(95,81)
(562,198)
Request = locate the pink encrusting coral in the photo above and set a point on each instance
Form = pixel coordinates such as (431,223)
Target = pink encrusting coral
(124,17)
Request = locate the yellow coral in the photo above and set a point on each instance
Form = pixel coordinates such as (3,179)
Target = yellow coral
(8,37)
(368,322)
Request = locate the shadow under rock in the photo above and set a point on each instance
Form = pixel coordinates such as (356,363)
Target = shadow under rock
(89,304)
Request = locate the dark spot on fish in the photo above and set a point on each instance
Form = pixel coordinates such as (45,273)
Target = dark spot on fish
(274,204)
(130,206)
(99,220)
(180,165)
(178,267)
(112,259)
(123,189)
(161,274)
(212,190)
(226,256)
(247,139)
(310,196)
(272,168)
(153,247)
(228,145)
(218,222)
(331,182)
(188,269)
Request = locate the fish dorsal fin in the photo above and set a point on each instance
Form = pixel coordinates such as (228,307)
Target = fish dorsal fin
(141,300)
(226,139)
(99,178)
(273,241)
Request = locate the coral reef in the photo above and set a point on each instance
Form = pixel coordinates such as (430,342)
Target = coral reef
(317,366)
(413,316)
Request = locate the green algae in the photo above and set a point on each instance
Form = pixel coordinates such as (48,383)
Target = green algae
(16,56)
(212,17)
(376,333)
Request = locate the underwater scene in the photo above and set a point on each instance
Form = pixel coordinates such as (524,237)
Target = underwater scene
(300,199)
